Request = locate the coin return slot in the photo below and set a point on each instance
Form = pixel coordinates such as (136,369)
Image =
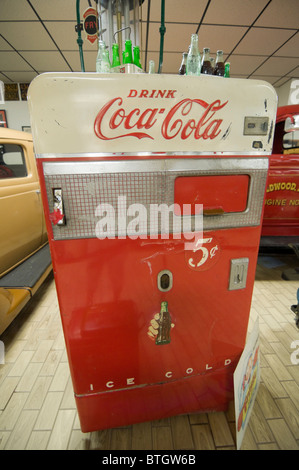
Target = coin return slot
(238,273)
(164,280)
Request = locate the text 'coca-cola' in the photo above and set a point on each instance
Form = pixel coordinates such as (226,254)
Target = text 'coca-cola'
(188,118)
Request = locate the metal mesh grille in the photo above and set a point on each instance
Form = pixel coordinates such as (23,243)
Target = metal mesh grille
(90,198)
(108,200)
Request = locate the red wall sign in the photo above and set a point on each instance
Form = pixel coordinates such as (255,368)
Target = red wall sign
(90,24)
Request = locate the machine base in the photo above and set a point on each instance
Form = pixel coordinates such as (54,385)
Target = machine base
(201,393)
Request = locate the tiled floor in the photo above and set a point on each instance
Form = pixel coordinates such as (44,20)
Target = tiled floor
(37,409)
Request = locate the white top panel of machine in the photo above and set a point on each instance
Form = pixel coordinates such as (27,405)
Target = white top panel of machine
(90,113)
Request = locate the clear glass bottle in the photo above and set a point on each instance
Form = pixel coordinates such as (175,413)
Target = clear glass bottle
(193,65)
(103,62)
(151,66)
(219,64)
(212,63)
(182,69)
(206,66)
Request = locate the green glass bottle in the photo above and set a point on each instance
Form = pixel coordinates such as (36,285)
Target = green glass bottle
(227,69)
(136,51)
(128,56)
(115,55)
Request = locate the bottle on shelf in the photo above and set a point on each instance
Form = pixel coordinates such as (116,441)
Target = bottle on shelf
(206,66)
(182,69)
(137,61)
(219,64)
(151,66)
(227,69)
(102,62)
(193,65)
(212,63)
(128,55)
(115,55)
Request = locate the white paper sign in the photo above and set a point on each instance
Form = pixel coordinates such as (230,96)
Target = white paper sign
(246,383)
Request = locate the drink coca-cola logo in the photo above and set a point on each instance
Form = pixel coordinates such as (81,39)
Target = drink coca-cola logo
(189,118)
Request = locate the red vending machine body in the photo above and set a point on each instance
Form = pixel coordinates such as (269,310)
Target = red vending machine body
(154,289)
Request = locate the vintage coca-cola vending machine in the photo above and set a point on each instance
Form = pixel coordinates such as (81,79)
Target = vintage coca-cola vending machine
(154,307)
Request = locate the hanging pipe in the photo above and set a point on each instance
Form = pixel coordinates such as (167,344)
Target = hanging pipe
(162,32)
(78,29)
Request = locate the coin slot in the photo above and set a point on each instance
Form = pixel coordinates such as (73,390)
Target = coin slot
(164,280)
(256,125)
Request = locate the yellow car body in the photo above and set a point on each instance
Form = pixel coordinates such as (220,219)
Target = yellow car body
(23,236)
